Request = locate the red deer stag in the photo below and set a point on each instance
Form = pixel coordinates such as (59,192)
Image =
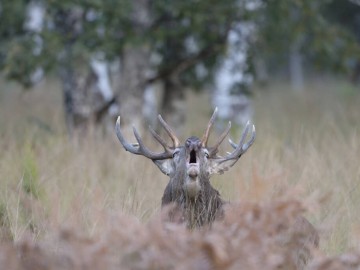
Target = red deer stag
(190,167)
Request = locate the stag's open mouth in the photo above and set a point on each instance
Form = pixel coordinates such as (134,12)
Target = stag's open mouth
(192,166)
(192,157)
(192,185)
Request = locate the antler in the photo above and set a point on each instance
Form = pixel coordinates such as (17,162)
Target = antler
(141,149)
(205,137)
(214,149)
(169,131)
(239,149)
(242,147)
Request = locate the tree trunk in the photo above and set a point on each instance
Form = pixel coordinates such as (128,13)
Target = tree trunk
(87,93)
(261,71)
(296,67)
(135,67)
(295,57)
(173,104)
(68,85)
(65,22)
(68,80)
(135,64)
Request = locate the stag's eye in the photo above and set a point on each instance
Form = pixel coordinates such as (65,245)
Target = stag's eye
(206,153)
(176,151)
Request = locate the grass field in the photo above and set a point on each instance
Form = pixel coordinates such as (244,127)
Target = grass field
(307,147)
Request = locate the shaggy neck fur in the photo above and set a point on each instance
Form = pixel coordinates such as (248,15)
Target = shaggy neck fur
(195,211)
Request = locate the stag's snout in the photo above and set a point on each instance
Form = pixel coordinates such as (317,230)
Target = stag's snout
(192,183)
(193,147)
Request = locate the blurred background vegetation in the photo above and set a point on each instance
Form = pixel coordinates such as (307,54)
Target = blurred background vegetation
(68,68)
(168,46)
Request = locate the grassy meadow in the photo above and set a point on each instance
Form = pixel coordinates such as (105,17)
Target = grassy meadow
(307,147)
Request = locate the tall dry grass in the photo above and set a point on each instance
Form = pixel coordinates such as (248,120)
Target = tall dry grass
(307,146)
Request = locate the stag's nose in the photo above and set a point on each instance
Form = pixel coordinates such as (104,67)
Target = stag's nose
(193,144)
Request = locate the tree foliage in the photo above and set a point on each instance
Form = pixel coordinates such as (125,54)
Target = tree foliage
(325,44)
(181,35)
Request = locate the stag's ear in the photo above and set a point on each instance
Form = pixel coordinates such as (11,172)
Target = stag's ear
(220,165)
(166,166)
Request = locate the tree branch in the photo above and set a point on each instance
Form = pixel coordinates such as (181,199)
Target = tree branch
(187,63)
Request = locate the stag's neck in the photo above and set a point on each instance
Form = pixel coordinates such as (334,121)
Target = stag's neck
(197,211)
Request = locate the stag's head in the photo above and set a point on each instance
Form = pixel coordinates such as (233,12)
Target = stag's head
(190,165)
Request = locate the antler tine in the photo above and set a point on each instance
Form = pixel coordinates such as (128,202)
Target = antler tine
(158,138)
(147,152)
(251,141)
(234,145)
(141,149)
(245,132)
(128,147)
(221,138)
(241,148)
(205,137)
(169,131)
